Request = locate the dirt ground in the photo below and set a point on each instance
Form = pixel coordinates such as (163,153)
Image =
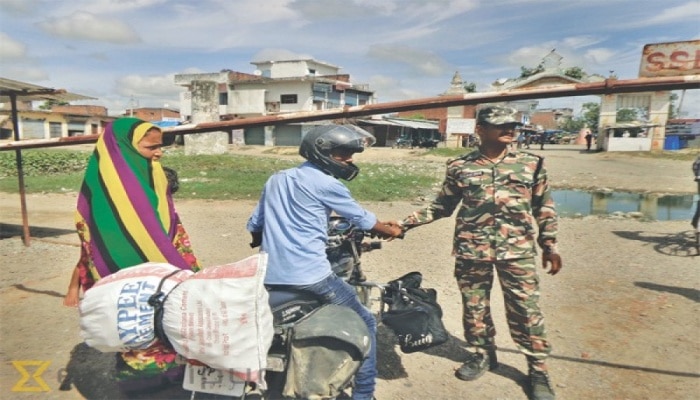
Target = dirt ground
(622,315)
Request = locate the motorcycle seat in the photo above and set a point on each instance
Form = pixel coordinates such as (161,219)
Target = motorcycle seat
(289,304)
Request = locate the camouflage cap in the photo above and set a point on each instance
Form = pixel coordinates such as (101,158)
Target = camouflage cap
(498,115)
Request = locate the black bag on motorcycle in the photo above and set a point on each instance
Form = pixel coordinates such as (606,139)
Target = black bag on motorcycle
(413,314)
(327,348)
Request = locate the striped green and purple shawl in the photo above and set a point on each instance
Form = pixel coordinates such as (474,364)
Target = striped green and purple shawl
(126,204)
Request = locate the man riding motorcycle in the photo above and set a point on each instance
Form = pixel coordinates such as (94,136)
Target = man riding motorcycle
(290,223)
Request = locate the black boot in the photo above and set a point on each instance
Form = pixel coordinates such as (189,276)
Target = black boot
(541,387)
(476,365)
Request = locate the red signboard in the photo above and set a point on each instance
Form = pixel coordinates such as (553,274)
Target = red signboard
(670,59)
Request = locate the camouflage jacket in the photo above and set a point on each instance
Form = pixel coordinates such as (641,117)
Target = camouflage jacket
(504,207)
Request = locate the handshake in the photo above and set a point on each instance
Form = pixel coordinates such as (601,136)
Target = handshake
(388,230)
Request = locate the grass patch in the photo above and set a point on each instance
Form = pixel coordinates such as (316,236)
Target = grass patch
(681,155)
(215,177)
(448,152)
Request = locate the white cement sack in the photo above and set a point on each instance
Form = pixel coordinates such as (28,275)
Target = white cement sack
(115,315)
(221,317)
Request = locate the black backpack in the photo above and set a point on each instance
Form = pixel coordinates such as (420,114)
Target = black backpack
(413,313)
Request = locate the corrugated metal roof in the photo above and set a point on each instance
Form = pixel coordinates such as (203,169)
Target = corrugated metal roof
(377,122)
(631,124)
(407,123)
(29,92)
(415,124)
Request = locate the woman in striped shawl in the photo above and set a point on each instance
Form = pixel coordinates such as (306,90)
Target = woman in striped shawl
(125,217)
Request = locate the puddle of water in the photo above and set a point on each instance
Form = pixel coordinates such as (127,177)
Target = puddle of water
(665,208)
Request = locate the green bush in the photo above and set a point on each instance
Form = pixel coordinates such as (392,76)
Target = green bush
(43,162)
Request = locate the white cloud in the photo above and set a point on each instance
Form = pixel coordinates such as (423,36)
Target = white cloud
(689,11)
(106,7)
(18,7)
(599,56)
(437,10)
(11,49)
(388,88)
(278,55)
(86,26)
(531,56)
(577,42)
(148,86)
(419,61)
(24,74)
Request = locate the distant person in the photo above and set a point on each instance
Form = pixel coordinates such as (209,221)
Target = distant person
(505,199)
(589,140)
(696,218)
(125,216)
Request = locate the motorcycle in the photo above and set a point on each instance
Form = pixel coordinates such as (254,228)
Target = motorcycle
(300,317)
(403,143)
(317,348)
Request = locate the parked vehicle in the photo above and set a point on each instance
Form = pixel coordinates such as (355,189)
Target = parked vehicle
(428,143)
(403,142)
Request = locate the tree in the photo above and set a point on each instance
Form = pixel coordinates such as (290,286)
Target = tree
(575,72)
(572,124)
(470,87)
(591,114)
(672,110)
(527,72)
(49,104)
(626,115)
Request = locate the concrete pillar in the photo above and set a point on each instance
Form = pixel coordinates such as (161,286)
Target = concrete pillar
(269,135)
(608,117)
(205,108)
(658,115)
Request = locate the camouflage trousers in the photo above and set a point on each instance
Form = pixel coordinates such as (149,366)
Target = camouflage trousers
(520,286)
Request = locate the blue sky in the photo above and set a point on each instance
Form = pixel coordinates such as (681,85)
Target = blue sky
(119,50)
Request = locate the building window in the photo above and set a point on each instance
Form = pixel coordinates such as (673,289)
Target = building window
(288,99)
(55,130)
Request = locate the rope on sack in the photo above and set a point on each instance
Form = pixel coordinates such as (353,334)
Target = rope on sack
(157,301)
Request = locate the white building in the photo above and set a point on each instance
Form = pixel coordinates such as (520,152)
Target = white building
(277,87)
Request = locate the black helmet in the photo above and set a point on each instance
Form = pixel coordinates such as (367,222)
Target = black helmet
(321,141)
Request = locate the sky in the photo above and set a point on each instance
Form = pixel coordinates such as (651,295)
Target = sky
(125,53)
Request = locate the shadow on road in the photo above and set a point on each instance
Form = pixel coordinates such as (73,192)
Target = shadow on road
(675,244)
(23,288)
(92,373)
(689,293)
(389,366)
(616,365)
(11,230)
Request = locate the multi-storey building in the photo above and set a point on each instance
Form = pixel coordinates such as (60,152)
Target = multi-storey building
(59,121)
(276,87)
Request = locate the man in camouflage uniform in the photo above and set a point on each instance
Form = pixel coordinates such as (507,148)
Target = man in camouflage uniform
(506,206)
